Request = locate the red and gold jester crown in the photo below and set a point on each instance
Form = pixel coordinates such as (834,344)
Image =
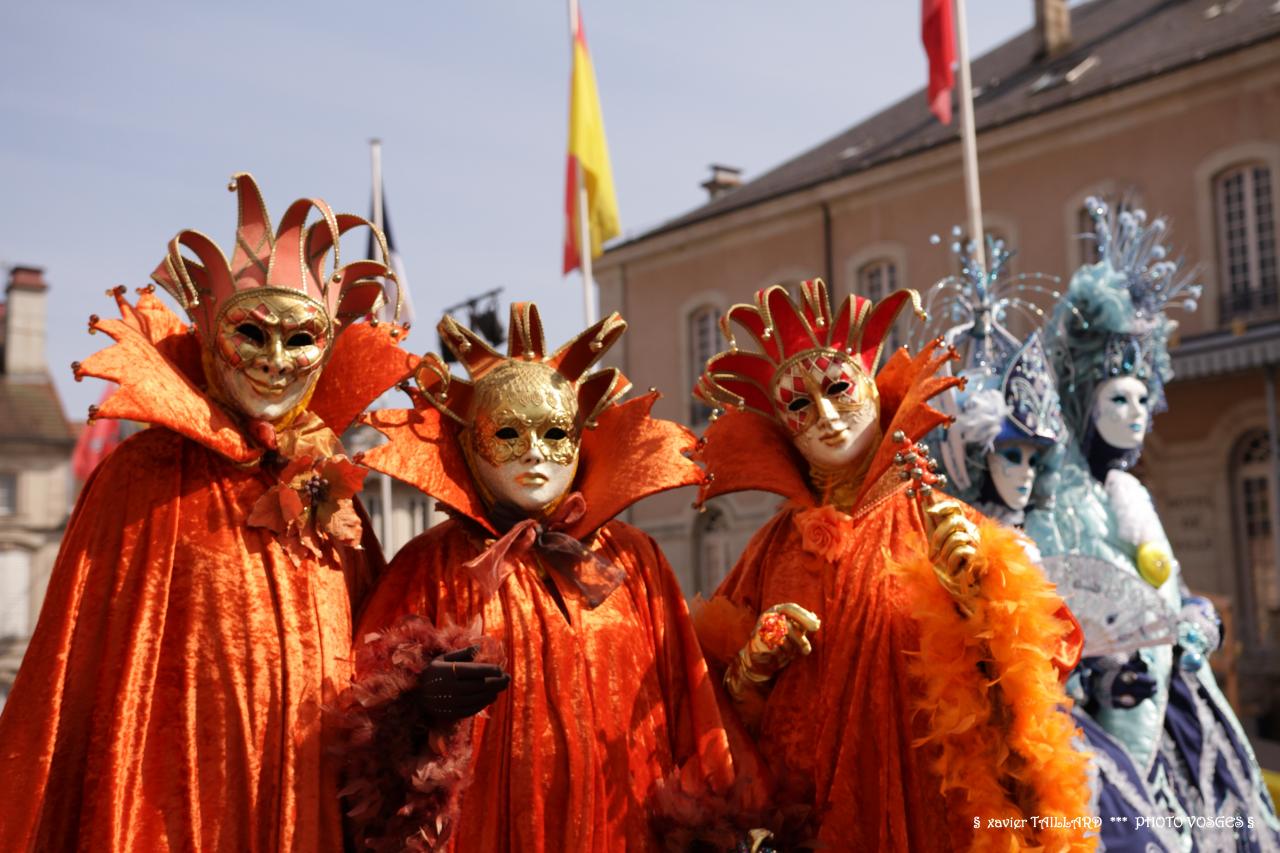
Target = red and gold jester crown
(784,332)
(749,448)
(292,258)
(526,344)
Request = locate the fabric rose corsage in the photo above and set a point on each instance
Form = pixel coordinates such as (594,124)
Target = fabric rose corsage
(825,532)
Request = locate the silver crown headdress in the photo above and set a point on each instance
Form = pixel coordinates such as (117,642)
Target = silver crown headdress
(1009,392)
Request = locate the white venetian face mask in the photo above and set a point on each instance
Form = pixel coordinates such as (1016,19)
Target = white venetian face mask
(1121,409)
(1012,466)
(270,347)
(830,408)
(523,439)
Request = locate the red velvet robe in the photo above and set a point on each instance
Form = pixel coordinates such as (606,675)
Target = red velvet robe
(171,696)
(872,787)
(604,703)
(888,729)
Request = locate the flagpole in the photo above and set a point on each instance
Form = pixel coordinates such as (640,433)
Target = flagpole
(969,140)
(588,282)
(584,223)
(384,480)
(375,158)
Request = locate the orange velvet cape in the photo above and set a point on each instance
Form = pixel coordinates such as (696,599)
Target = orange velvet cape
(607,706)
(889,730)
(171,695)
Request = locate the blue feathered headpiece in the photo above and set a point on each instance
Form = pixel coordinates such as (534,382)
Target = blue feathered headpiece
(1112,321)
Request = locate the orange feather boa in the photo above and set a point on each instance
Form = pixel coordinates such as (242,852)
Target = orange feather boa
(991,694)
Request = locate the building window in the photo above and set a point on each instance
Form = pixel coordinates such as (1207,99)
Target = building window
(1086,230)
(1253,495)
(1246,241)
(373,506)
(712,554)
(419,514)
(704,343)
(1083,239)
(8,493)
(15,586)
(876,280)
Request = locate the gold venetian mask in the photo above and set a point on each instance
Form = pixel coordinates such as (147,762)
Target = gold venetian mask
(522,415)
(270,346)
(524,435)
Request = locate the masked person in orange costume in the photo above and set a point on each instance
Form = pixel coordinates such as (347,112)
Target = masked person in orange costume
(198,616)
(864,625)
(610,725)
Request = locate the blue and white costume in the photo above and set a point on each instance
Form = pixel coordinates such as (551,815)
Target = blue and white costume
(1008,418)
(1109,330)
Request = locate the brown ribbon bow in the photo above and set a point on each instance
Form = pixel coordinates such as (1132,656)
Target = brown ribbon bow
(591,574)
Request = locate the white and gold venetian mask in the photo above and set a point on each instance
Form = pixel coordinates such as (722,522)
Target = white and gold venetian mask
(523,415)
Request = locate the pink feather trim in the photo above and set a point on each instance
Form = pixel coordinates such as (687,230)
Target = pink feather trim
(405,776)
(687,815)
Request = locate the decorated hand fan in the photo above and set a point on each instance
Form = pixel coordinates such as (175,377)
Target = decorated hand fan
(1119,611)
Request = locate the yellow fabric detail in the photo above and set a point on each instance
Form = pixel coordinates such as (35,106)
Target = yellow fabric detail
(1154,564)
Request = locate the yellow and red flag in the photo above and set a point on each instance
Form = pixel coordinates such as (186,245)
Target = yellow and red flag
(588,150)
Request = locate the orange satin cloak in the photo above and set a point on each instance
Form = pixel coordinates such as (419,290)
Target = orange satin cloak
(839,725)
(602,705)
(171,695)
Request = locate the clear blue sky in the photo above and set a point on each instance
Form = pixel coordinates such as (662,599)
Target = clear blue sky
(120,123)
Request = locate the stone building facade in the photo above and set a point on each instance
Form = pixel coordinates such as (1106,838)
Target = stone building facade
(1171,106)
(36,489)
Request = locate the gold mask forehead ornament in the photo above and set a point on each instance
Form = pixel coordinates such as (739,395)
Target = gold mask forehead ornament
(520,404)
(525,398)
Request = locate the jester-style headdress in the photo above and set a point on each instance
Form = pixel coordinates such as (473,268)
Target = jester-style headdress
(1009,391)
(1112,321)
(525,369)
(786,333)
(752,446)
(162,371)
(293,258)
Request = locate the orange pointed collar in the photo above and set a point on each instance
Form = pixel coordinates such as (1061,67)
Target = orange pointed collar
(628,456)
(156,362)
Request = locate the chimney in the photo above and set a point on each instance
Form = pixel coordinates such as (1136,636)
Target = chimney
(24,322)
(1053,28)
(723,179)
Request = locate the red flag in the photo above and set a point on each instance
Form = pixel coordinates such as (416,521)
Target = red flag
(938,32)
(96,440)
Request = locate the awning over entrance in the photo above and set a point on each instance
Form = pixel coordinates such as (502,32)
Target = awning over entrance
(1219,353)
